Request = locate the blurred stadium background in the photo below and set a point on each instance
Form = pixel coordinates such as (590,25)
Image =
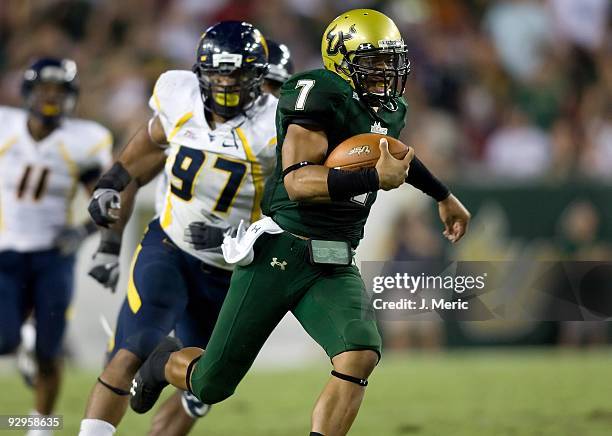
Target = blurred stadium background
(510,103)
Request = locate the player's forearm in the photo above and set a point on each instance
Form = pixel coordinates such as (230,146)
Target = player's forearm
(308,184)
(318,183)
(138,163)
(128,198)
(421,178)
(142,158)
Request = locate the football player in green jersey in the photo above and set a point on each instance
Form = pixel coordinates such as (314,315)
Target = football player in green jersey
(301,260)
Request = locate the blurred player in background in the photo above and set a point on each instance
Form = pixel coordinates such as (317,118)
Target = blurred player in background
(213,129)
(44,156)
(282,268)
(280,68)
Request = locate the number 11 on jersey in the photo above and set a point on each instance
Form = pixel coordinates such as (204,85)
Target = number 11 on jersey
(41,184)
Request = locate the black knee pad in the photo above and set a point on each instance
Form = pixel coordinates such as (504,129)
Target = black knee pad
(349,378)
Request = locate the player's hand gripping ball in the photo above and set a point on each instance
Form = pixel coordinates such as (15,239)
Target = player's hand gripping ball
(389,156)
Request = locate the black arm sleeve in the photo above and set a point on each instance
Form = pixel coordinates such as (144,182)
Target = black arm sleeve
(342,185)
(420,177)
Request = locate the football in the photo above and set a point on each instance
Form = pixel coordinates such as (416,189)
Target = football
(362,151)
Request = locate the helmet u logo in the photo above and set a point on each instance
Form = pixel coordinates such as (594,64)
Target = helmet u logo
(333,49)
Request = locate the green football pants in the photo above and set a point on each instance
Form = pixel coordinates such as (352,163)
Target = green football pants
(330,302)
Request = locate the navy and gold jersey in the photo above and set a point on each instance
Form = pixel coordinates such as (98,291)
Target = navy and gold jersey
(213,174)
(38,179)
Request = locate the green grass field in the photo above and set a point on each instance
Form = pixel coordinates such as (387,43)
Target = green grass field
(461,393)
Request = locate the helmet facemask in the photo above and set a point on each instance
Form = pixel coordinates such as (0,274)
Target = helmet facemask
(228,91)
(379,75)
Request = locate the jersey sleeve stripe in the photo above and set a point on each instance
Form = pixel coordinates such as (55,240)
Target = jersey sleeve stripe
(272,141)
(247,147)
(179,124)
(72,166)
(7,145)
(256,174)
(100,146)
(156,99)
(258,181)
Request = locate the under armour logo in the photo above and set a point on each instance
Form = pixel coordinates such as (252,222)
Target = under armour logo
(133,388)
(275,262)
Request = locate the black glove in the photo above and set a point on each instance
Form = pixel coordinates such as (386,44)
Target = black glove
(204,236)
(104,206)
(105,262)
(105,269)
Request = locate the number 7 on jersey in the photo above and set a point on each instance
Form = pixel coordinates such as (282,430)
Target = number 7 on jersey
(306,86)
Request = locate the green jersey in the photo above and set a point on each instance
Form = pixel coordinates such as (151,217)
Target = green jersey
(322,98)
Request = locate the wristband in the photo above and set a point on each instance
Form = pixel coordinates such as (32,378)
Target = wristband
(116,178)
(342,184)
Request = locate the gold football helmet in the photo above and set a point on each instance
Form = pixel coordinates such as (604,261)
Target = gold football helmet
(366,49)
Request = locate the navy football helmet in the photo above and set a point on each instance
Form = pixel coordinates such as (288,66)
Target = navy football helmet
(280,63)
(50,105)
(232,58)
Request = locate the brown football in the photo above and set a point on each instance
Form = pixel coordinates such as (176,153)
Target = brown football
(362,151)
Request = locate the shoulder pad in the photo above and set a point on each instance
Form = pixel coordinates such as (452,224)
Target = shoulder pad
(316,96)
(173,96)
(88,141)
